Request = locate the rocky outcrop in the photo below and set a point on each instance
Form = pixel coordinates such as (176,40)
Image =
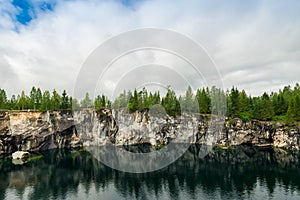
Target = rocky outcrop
(20,155)
(36,131)
(259,133)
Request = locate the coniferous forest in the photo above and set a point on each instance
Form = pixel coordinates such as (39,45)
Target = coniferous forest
(283,105)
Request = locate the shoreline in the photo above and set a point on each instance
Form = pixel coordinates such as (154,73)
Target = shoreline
(37,131)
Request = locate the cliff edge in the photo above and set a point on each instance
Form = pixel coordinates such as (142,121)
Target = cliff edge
(37,131)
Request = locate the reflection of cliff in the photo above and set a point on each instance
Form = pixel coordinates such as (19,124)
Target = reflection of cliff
(35,131)
(236,172)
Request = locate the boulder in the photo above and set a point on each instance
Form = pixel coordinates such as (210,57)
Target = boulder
(20,155)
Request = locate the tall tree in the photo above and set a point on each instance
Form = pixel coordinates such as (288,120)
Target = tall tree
(74,103)
(102,102)
(290,115)
(3,99)
(64,100)
(13,103)
(133,101)
(203,100)
(264,108)
(55,101)
(244,106)
(234,103)
(22,101)
(46,101)
(86,102)
(32,98)
(297,108)
(170,103)
(218,99)
(38,98)
(188,100)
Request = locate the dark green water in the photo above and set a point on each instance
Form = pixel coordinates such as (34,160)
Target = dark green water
(241,173)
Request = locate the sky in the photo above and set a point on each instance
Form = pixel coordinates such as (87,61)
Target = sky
(254,45)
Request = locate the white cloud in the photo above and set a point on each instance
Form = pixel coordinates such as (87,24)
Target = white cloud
(256,45)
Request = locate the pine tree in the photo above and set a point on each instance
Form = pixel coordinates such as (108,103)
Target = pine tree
(203,99)
(297,108)
(32,100)
(22,101)
(244,106)
(290,115)
(3,99)
(133,102)
(38,98)
(55,101)
(64,100)
(86,102)
(263,108)
(46,101)
(170,103)
(13,103)
(188,100)
(218,99)
(74,103)
(234,103)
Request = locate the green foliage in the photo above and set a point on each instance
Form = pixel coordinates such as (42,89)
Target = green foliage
(203,100)
(22,101)
(281,118)
(86,102)
(55,101)
(245,116)
(46,101)
(3,99)
(133,102)
(170,103)
(293,112)
(75,104)
(244,103)
(188,102)
(101,102)
(13,103)
(283,105)
(121,101)
(234,103)
(218,99)
(263,108)
(65,103)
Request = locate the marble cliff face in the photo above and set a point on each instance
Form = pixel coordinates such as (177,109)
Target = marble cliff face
(37,131)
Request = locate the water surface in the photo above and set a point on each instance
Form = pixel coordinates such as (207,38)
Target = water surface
(240,173)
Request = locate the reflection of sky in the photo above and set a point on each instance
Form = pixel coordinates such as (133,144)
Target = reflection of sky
(221,175)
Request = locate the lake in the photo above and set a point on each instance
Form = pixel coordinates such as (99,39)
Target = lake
(238,173)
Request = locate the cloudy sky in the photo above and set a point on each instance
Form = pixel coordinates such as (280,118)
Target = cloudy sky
(254,44)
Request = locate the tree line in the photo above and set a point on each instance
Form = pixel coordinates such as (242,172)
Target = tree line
(283,105)
(37,100)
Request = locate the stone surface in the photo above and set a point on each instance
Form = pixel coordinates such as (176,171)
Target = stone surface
(37,131)
(20,155)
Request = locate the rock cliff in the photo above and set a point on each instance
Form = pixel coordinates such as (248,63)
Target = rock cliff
(36,131)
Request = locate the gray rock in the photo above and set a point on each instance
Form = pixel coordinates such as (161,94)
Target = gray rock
(20,155)
(36,131)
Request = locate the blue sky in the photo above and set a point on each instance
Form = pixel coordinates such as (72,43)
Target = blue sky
(28,9)
(255,44)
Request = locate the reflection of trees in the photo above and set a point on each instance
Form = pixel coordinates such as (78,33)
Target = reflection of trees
(233,173)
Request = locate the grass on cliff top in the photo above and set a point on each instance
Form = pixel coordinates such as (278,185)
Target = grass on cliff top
(34,157)
(159,147)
